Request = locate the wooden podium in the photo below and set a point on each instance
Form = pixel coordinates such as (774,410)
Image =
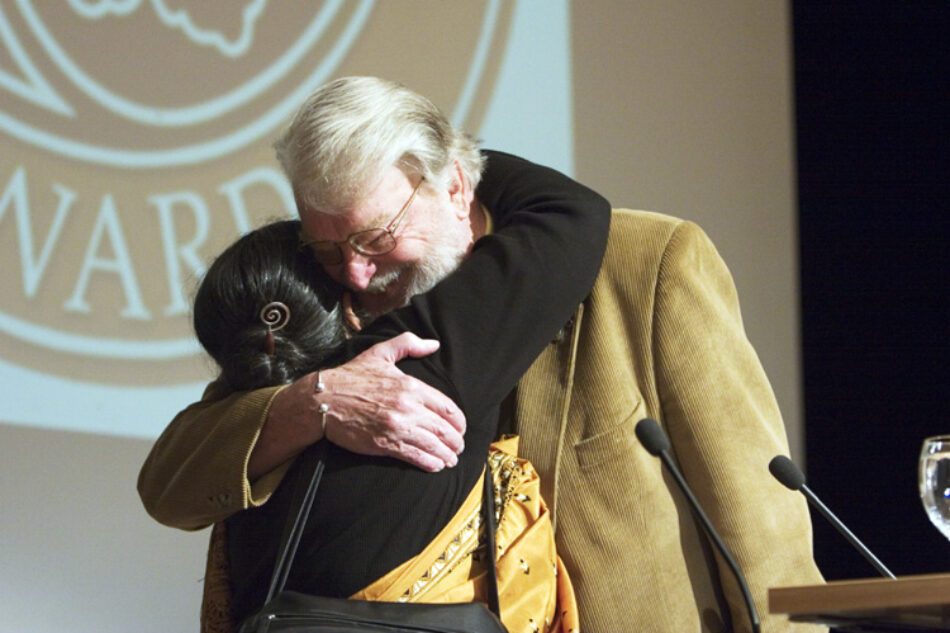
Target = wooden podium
(882,605)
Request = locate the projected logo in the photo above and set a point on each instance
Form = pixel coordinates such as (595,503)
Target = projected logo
(136,145)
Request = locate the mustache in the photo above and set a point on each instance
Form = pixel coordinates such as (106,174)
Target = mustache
(380,282)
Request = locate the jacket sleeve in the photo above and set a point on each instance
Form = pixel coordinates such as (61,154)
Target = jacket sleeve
(725,425)
(196,472)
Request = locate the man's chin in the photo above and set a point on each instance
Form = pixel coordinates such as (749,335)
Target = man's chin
(393,289)
(384,293)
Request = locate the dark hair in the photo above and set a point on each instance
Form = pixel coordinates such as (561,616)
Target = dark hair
(263,266)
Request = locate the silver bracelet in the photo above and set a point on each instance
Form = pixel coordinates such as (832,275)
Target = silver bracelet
(320,387)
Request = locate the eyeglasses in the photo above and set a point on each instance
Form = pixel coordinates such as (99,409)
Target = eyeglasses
(369,242)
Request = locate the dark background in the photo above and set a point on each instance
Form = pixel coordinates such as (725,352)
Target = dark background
(872,137)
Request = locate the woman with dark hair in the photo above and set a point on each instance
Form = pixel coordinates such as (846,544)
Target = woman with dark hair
(381,529)
(258,347)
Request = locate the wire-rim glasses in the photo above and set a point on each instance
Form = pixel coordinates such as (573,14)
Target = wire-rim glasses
(369,242)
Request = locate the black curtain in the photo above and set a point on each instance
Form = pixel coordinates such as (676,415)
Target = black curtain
(871,80)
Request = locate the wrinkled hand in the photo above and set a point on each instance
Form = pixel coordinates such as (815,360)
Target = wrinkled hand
(375,409)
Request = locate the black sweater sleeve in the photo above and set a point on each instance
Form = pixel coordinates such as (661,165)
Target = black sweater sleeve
(517,288)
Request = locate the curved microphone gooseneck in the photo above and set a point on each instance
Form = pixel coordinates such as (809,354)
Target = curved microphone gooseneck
(791,476)
(658,444)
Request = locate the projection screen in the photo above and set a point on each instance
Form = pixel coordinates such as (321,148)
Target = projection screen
(136,143)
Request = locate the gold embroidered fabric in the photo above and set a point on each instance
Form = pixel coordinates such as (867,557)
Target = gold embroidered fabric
(535,592)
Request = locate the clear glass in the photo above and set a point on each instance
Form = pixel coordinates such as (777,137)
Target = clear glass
(934,479)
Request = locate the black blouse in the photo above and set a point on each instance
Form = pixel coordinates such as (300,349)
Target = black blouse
(493,316)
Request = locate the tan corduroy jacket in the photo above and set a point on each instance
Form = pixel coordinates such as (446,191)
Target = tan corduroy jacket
(660,336)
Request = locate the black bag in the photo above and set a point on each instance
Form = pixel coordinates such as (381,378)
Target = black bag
(298,612)
(291,611)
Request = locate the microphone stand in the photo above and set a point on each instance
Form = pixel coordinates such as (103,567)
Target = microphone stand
(714,535)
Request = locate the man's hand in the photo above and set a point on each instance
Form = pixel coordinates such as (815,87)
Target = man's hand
(374,409)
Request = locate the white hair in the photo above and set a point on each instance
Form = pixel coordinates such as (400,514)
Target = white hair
(350,130)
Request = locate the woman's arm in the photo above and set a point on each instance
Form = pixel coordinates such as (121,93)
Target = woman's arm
(514,292)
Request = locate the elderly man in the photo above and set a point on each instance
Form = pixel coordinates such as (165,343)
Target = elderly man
(659,336)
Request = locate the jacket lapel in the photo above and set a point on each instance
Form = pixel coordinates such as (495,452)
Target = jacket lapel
(543,404)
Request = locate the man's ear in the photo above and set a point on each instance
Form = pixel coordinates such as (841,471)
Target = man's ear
(460,191)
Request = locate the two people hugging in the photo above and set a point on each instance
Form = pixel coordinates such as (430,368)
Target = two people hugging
(432,297)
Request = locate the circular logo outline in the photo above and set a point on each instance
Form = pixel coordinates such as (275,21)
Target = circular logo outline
(168,349)
(208,150)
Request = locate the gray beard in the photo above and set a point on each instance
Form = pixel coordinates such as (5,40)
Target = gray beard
(410,279)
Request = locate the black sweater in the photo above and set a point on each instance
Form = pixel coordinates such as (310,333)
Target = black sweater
(509,298)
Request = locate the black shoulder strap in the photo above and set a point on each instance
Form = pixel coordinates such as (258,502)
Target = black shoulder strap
(308,479)
(488,516)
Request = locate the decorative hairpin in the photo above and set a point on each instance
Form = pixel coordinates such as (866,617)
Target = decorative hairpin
(274,316)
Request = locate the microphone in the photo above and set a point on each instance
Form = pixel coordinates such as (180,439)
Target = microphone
(658,444)
(791,476)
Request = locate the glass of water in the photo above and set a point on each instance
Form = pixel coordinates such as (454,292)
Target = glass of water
(934,479)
